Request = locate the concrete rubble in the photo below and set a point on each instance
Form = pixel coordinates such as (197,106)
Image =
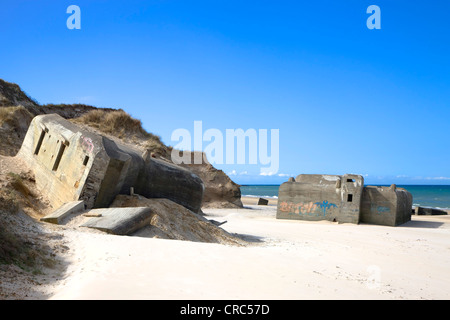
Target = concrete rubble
(65,211)
(422,211)
(119,221)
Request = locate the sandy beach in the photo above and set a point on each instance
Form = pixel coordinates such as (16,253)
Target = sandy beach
(284,260)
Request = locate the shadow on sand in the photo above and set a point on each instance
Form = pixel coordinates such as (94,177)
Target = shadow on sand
(422,224)
(249,238)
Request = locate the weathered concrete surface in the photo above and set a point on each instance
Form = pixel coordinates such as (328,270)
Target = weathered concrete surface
(321,197)
(389,206)
(64,211)
(51,138)
(421,211)
(119,221)
(72,164)
(161,179)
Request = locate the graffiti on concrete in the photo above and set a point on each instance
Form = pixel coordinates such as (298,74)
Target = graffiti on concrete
(382,209)
(325,205)
(87,144)
(307,208)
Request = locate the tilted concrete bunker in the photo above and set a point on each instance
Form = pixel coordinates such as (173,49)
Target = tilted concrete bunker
(343,199)
(72,164)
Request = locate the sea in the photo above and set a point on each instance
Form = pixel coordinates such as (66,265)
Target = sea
(437,196)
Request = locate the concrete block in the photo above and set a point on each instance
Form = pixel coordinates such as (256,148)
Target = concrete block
(389,206)
(119,221)
(263,202)
(64,211)
(421,211)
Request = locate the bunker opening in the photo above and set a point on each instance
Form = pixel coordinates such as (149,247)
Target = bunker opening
(39,144)
(62,147)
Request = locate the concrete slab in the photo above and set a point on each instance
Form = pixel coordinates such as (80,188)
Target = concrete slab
(119,221)
(64,211)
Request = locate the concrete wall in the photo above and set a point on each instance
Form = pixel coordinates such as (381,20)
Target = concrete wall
(61,157)
(388,206)
(165,180)
(72,164)
(321,197)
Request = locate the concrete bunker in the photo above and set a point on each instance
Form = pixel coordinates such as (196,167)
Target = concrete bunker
(343,199)
(72,164)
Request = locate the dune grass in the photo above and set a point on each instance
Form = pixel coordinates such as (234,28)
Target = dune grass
(16,247)
(120,124)
(13,248)
(7,114)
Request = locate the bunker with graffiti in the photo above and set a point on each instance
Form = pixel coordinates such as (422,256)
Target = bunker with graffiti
(342,199)
(71,163)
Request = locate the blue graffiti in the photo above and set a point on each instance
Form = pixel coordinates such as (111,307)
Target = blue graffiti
(381,209)
(325,205)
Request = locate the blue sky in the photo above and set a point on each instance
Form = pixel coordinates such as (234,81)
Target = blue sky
(345,99)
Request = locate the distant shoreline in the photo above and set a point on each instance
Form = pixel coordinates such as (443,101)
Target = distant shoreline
(253,200)
(427,196)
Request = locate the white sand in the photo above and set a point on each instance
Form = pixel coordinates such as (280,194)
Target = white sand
(292,260)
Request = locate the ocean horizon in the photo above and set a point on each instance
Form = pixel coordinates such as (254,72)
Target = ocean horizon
(433,196)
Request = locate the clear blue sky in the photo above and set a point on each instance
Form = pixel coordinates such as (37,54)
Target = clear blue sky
(346,99)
